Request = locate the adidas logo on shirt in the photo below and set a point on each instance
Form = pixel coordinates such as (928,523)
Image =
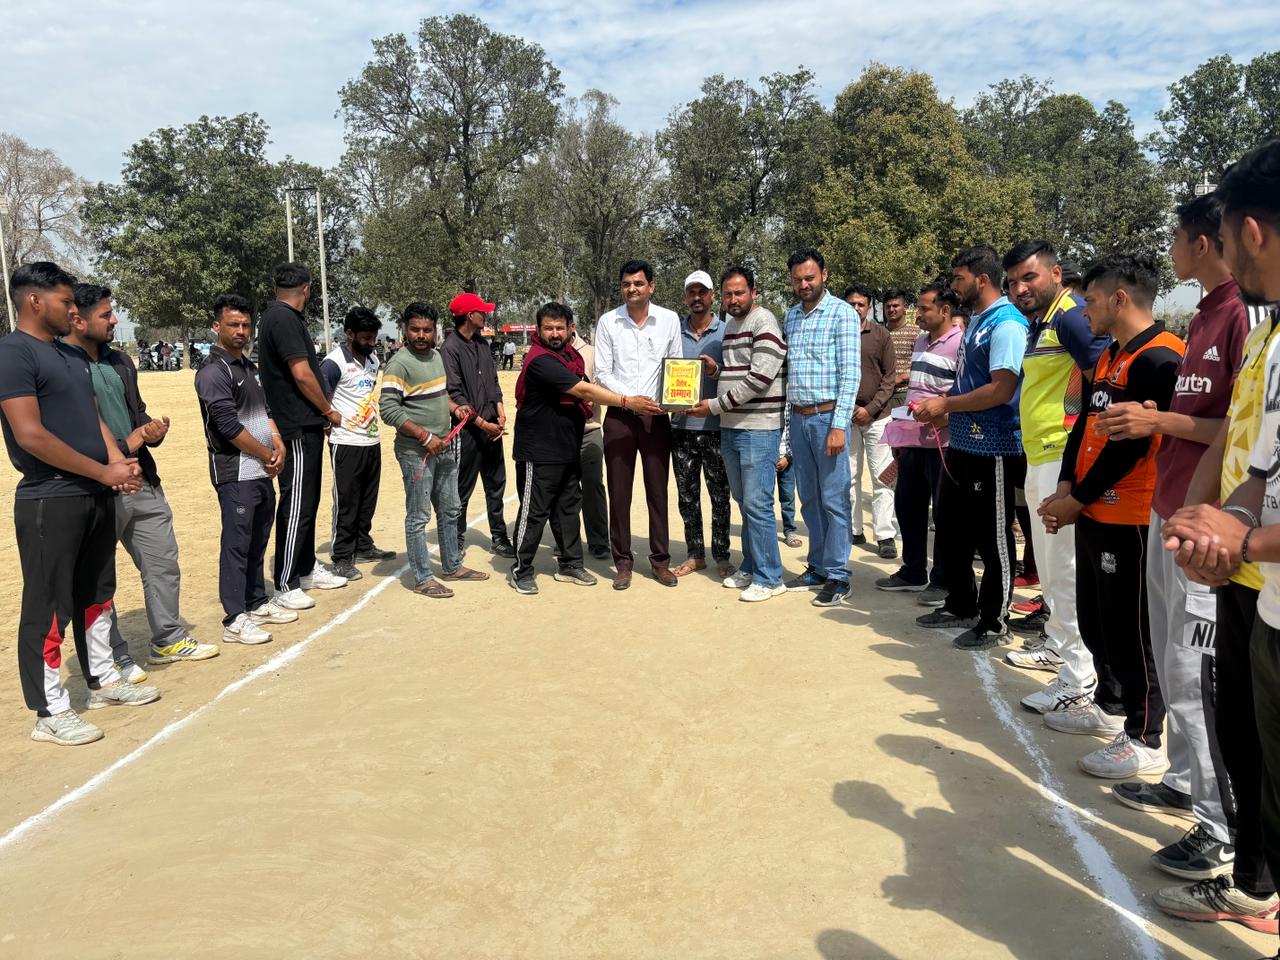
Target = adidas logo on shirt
(1212,354)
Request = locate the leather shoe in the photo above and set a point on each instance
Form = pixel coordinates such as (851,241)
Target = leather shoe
(665,577)
(622,579)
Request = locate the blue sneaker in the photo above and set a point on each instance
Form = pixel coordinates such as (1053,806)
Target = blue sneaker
(811,579)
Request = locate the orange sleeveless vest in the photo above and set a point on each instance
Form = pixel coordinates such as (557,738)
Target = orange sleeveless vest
(1129,501)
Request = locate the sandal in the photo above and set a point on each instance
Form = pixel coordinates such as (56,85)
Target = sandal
(793,541)
(465,573)
(724,569)
(689,566)
(434,589)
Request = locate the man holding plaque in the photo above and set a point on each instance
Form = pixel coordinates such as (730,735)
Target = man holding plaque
(750,401)
(632,343)
(695,440)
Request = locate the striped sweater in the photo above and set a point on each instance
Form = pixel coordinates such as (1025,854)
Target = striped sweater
(752,391)
(414,388)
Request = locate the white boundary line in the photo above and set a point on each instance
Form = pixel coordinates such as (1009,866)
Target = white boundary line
(1114,886)
(280,660)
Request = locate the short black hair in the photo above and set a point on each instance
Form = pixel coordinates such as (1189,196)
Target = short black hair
(893,293)
(90,294)
(803,256)
(40,275)
(554,311)
(1030,248)
(1071,275)
(418,309)
(943,295)
(1138,274)
(980,259)
(636,266)
(861,289)
(1251,185)
(361,320)
(291,276)
(231,301)
(746,273)
(1202,217)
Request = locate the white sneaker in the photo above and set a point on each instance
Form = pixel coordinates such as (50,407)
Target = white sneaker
(322,578)
(1037,658)
(130,672)
(121,694)
(758,592)
(293,599)
(736,581)
(1122,759)
(66,729)
(1059,695)
(244,630)
(1087,719)
(273,612)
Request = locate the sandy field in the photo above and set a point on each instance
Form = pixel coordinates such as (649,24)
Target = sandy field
(653,774)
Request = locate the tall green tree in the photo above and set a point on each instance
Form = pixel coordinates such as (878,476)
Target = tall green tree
(455,115)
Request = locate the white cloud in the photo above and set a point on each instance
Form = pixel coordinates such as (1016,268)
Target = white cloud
(90,80)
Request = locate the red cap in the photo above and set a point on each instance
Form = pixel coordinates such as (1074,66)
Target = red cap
(464,303)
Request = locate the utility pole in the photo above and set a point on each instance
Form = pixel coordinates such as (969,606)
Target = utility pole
(4,263)
(324,273)
(288,220)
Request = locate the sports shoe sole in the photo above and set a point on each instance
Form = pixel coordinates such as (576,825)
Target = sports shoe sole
(41,736)
(775,592)
(1108,732)
(236,638)
(275,619)
(1184,874)
(1129,774)
(1030,664)
(100,704)
(565,578)
(1148,808)
(324,586)
(809,587)
(833,602)
(1253,923)
(905,588)
(960,623)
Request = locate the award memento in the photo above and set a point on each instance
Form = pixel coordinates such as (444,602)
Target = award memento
(681,386)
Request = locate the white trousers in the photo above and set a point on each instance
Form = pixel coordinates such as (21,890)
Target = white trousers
(1056,565)
(1183,617)
(865,447)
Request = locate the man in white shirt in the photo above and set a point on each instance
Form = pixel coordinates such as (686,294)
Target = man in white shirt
(631,343)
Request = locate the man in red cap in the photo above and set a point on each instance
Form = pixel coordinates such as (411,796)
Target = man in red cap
(473,383)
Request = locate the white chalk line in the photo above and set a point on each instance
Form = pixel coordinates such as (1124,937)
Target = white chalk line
(1114,886)
(279,661)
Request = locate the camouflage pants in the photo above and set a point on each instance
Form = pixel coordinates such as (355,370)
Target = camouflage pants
(695,453)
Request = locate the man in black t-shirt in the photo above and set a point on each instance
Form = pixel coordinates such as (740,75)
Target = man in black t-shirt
(290,374)
(553,401)
(64,509)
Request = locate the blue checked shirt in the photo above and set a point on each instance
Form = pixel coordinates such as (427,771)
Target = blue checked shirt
(824,357)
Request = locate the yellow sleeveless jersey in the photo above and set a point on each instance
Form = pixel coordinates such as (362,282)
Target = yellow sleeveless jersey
(1052,389)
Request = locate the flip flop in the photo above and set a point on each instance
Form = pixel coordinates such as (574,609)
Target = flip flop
(434,589)
(689,566)
(465,574)
(725,569)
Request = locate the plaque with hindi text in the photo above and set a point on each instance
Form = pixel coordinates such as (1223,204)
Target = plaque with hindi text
(681,386)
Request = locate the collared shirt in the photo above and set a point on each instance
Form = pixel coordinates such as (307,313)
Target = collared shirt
(349,383)
(711,344)
(879,369)
(232,400)
(588,352)
(995,339)
(824,356)
(473,377)
(629,355)
(108,388)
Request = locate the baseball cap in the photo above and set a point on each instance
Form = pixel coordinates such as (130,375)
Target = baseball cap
(464,303)
(699,276)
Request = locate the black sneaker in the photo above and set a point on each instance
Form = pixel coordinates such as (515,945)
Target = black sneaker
(887,549)
(1032,623)
(981,638)
(373,554)
(832,594)
(525,584)
(502,548)
(575,575)
(932,596)
(1197,856)
(859,539)
(944,620)
(811,579)
(896,584)
(345,568)
(1154,798)
(600,553)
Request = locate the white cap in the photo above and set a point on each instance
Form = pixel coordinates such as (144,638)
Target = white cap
(699,276)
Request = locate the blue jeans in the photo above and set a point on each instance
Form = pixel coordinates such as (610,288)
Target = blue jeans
(438,485)
(823,483)
(750,461)
(787,499)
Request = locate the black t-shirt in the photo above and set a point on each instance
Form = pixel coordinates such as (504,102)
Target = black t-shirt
(546,430)
(58,377)
(282,336)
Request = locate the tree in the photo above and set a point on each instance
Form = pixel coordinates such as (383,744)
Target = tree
(903,193)
(198,212)
(1215,114)
(455,118)
(43,196)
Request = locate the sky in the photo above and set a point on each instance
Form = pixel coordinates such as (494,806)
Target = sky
(88,78)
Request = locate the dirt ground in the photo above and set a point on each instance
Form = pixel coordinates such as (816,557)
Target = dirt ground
(653,774)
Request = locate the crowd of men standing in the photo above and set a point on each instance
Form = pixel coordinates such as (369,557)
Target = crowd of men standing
(1149,462)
